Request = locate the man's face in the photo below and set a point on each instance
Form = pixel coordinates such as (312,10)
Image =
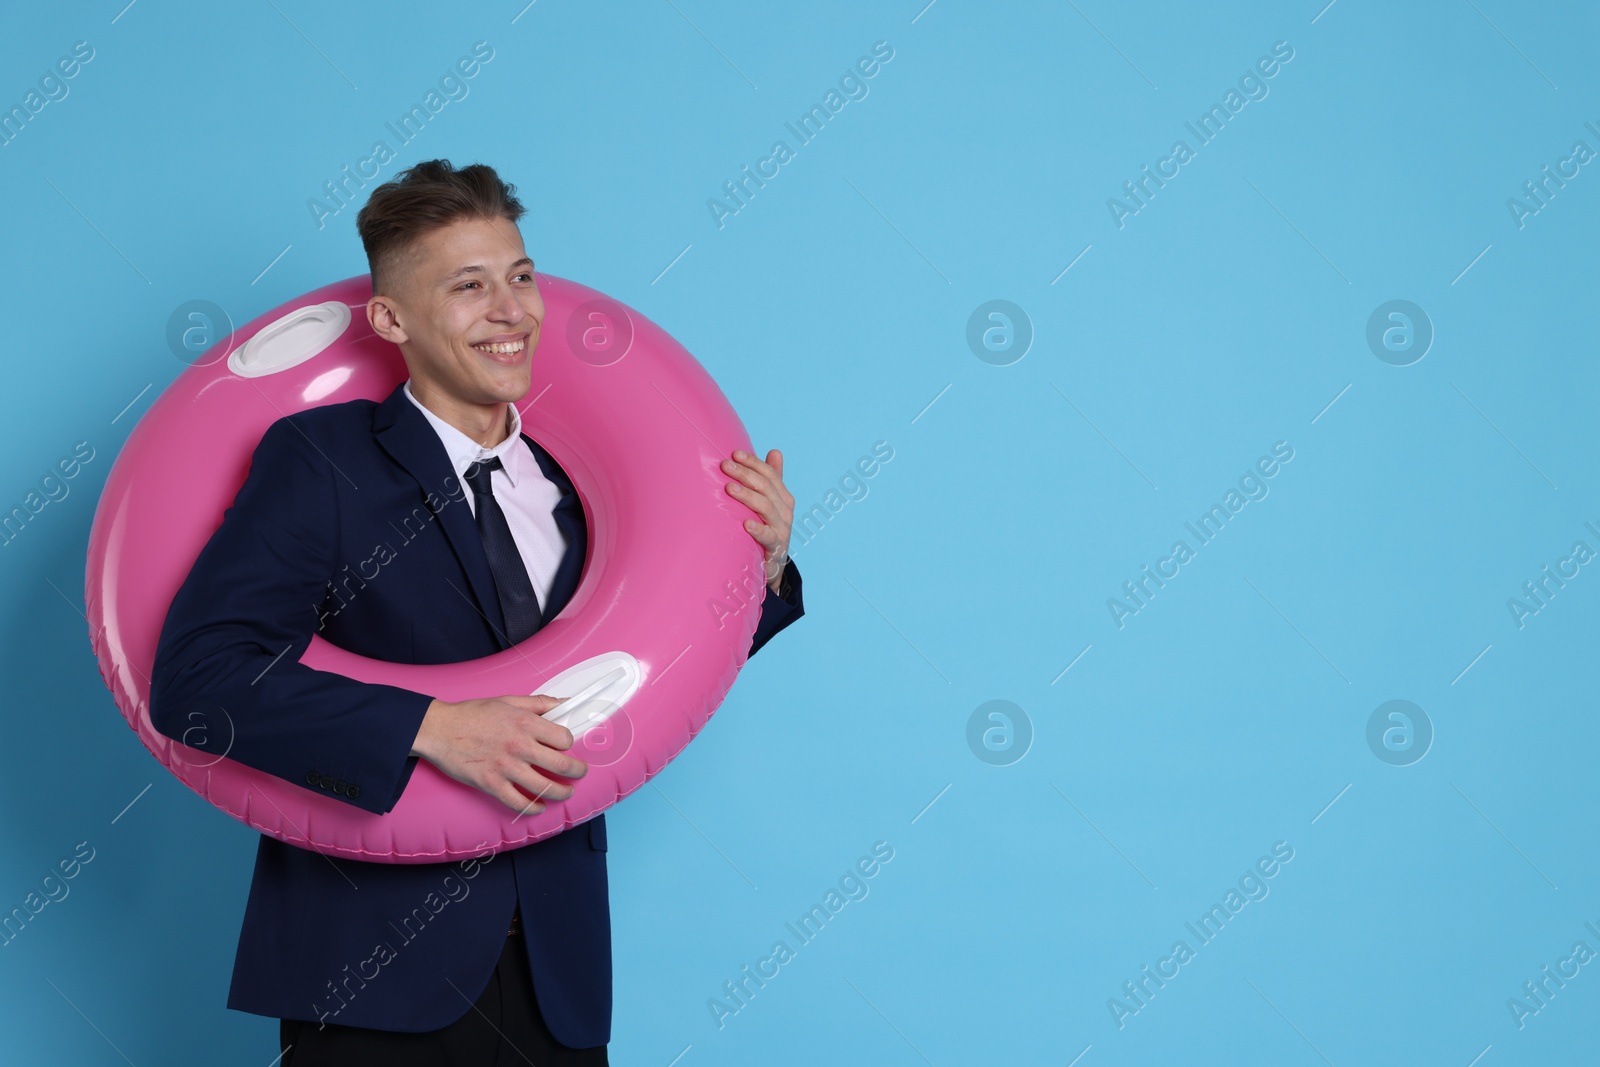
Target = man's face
(466,286)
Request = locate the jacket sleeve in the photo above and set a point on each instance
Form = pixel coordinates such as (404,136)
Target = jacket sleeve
(779,609)
(228,656)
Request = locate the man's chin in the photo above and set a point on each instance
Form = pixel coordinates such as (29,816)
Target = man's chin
(512,391)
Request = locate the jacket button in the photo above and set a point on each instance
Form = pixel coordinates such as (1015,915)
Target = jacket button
(326,781)
(353,792)
(339,787)
(312,778)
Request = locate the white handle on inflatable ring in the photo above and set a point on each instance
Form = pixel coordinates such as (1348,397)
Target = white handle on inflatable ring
(594,690)
(290,339)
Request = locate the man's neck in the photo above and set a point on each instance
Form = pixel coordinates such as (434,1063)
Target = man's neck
(487,425)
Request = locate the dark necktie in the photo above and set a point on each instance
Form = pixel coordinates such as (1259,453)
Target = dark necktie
(518,603)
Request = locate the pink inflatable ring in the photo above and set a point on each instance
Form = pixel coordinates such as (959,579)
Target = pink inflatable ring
(641,437)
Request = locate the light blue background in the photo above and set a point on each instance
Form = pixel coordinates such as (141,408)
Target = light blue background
(1224,317)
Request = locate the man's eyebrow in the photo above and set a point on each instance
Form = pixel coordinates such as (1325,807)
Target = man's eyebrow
(476,268)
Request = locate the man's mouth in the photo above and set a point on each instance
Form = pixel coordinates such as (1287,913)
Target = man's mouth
(512,347)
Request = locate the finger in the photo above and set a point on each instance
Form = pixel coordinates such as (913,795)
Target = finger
(751,476)
(552,758)
(765,478)
(760,467)
(548,733)
(512,798)
(766,535)
(760,503)
(537,786)
(538,702)
(775,461)
(753,460)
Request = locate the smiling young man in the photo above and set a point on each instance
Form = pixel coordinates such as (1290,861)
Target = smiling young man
(505,958)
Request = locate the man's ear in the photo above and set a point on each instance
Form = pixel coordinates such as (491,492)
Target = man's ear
(382,317)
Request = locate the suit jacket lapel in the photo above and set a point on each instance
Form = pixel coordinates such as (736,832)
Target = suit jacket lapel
(569,520)
(405,434)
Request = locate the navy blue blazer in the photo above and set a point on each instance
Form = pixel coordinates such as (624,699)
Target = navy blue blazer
(353,524)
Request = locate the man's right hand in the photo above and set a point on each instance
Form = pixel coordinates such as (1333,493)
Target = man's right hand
(498,745)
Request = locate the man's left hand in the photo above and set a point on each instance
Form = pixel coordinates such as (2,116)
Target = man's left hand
(760,488)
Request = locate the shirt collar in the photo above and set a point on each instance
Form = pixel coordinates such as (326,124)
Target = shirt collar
(464,451)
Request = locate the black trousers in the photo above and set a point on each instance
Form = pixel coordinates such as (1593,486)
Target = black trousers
(503,1029)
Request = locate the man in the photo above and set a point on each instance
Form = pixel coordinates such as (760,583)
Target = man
(504,958)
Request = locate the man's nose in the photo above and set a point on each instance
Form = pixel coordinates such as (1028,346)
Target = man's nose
(506,306)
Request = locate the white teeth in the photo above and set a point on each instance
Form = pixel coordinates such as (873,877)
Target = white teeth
(501,349)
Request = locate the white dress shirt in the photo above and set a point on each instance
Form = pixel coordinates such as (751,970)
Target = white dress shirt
(526,496)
